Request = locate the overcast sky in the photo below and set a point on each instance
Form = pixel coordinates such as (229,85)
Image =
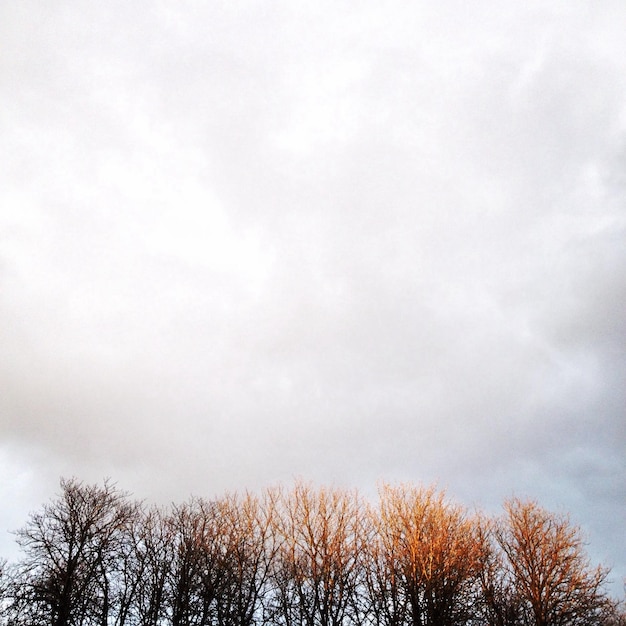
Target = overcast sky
(242,242)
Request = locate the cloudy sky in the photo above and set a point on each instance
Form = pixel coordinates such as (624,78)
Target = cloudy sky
(242,242)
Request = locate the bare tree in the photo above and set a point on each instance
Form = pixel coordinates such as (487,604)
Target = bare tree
(188,602)
(200,574)
(303,557)
(384,586)
(427,559)
(499,603)
(149,556)
(547,564)
(316,570)
(248,545)
(5,591)
(69,548)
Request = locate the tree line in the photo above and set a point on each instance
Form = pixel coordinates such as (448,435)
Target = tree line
(300,556)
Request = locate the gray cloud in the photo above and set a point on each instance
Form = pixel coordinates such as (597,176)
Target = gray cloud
(243,242)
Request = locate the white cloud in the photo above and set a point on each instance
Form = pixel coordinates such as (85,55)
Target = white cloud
(247,241)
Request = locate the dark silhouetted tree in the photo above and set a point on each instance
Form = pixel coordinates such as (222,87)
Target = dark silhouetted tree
(70,549)
(147,561)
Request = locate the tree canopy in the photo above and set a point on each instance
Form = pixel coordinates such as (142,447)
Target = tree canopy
(303,556)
